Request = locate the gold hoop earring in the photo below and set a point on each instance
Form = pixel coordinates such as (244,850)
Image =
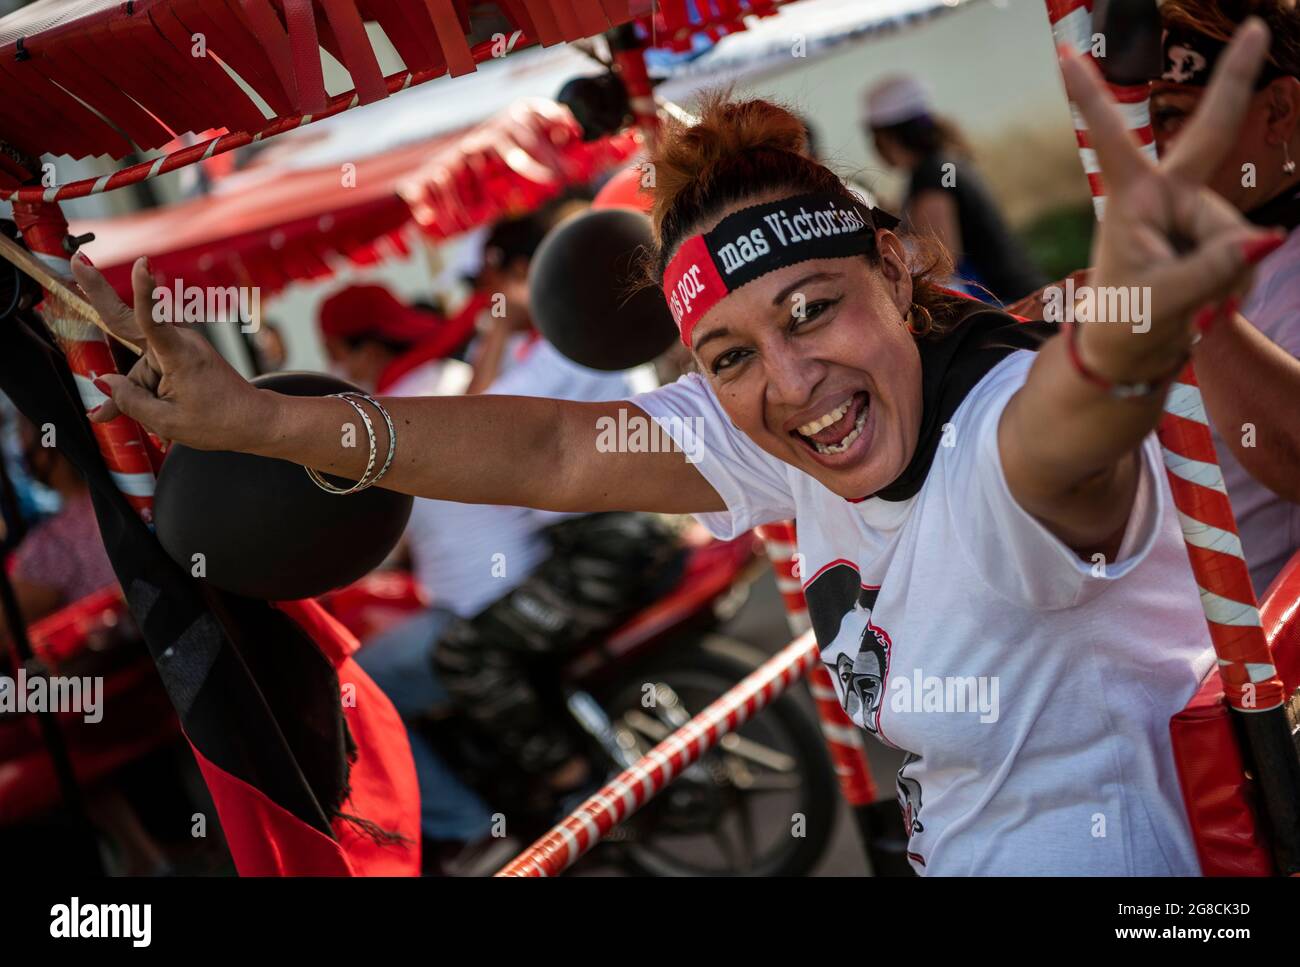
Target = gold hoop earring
(926,325)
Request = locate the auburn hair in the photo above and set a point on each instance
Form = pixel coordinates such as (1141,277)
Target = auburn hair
(741,150)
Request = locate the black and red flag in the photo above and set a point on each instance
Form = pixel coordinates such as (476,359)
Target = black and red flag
(305,783)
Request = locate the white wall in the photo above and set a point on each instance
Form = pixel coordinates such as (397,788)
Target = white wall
(990,65)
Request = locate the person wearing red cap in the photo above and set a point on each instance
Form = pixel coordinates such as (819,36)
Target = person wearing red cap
(385,346)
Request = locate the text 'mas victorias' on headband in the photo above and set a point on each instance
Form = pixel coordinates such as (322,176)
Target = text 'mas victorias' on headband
(762,238)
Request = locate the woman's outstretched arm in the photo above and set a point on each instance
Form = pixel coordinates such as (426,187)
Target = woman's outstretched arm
(516,450)
(520,451)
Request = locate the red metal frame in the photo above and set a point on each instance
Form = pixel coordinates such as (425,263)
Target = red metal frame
(124,445)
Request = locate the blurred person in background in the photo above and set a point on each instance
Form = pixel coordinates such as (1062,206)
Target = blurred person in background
(62,558)
(60,561)
(506,332)
(381,344)
(1253,385)
(945,195)
(502,581)
(505,326)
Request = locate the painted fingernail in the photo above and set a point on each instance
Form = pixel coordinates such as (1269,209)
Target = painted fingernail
(85,258)
(1255,250)
(103,387)
(94,409)
(1230,306)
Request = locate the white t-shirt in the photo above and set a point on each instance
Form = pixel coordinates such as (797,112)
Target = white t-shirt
(1059,760)
(468,555)
(439,377)
(1269,525)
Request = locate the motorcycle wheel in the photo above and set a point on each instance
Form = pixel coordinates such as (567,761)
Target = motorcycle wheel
(689,828)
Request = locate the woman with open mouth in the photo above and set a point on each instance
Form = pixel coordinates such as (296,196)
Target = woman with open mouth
(980,503)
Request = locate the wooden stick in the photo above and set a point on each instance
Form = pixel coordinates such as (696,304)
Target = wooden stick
(28,263)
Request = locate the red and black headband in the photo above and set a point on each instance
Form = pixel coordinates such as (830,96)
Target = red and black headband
(759,239)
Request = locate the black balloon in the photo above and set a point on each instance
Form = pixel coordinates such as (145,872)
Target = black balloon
(585,293)
(262,527)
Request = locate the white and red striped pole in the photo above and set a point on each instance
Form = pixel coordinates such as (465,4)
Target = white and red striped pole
(122,442)
(1072,25)
(582,829)
(1250,679)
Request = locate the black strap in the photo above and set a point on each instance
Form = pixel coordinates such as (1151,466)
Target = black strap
(951,367)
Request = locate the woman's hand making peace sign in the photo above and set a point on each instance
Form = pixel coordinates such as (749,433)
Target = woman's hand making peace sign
(1165,232)
(1068,445)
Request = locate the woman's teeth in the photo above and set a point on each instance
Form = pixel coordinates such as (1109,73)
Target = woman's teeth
(822,422)
(848,440)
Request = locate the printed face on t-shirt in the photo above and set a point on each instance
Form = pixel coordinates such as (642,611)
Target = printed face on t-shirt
(814,363)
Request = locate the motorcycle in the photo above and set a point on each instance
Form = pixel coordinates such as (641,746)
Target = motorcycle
(763,803)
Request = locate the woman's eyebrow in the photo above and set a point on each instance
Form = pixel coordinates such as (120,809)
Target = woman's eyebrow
(812,277)
(712,334)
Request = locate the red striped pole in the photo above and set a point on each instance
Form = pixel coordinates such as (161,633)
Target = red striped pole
(560,848)
(121,441)
(1250,679)
(1072,26)
(1251,683)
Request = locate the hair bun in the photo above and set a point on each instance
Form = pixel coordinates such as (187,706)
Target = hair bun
(690,156)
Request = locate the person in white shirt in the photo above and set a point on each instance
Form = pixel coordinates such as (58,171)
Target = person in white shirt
(465,557)
(992,560)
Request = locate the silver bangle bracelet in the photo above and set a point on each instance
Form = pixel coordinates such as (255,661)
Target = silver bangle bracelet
(365,481)
(392,433)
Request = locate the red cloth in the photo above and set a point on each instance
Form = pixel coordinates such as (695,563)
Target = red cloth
(1222,801)
(453,334)
(266,840)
